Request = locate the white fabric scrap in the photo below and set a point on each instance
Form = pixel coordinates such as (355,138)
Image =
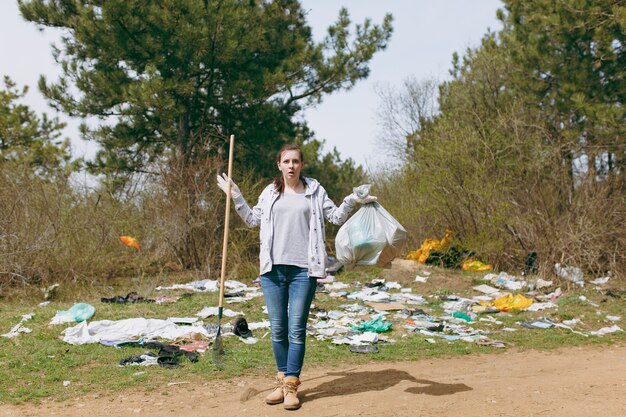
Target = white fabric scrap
(335,286)
(599,281)
(419,278)
(541,283)
(19,328)
(213,311)
(486,289)
(606,330)
(357,339)
(128,329)
(540,306)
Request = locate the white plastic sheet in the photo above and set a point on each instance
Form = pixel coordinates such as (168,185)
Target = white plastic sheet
(128,329)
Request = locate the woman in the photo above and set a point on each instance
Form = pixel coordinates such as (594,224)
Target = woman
(291,214)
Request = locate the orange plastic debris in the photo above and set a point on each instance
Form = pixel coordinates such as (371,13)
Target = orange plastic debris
(422,254)
(130,241)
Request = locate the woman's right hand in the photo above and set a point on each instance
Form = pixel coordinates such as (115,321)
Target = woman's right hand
(223,181)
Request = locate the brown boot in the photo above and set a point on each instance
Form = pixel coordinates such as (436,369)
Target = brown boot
(291,393)
(277,396)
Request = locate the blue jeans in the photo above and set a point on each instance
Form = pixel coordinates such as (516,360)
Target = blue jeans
(288,293)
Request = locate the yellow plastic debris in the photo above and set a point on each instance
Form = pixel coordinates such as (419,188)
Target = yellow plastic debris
(509,302)
(422,254)
(471,264)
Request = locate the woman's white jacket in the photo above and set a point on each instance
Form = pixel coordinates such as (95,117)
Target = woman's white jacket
(321,207)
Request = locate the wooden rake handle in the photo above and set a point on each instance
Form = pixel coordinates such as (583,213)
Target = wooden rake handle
(226,220)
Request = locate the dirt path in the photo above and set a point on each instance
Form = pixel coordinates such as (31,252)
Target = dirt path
(588,381)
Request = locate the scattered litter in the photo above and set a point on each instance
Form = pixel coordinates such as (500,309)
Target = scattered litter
(66,383)
(199,346)
(606,330)
(130,242)
(552,297)
(392,285)
(419,278)
(463,316)
(357,339)
(129,329)
(44,303)
(504,280)
(421,255)
(541,283)
(600,281)
(488,342)
(486,289)
(537,324)
(50,292)
(569,273)
(19,328)
(510,302)
(148,359)
(429,340)
(249,340)
(169,356)
(490,319)
(241,329)
(613,318)
(131,298)
(213,311)
(364,349)
(541,306)
(378,325)
(171,384)
(386,306)
(77,313)
(470,264)
(585,299)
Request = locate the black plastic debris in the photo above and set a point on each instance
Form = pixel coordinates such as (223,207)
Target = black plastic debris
(131,297)
(241,328)
(169,356)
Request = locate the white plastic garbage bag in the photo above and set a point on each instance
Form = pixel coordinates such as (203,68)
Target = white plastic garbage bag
(370,237)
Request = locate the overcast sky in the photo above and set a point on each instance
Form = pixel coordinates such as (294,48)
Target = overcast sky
(426,34)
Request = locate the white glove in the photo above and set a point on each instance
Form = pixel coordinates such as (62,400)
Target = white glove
(362,194)
(366,200)
(222,182)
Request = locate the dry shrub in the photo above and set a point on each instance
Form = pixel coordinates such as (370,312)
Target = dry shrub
(51,231)
(504,189)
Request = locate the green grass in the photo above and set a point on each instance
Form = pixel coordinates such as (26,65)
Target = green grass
(33,366)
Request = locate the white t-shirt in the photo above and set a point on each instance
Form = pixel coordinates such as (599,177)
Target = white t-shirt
(291,216)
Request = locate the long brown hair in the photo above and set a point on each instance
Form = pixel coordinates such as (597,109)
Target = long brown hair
(279,182)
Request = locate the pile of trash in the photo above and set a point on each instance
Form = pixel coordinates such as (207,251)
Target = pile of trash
(367,315)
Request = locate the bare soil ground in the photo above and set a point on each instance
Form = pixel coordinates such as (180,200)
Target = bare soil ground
(566,382)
